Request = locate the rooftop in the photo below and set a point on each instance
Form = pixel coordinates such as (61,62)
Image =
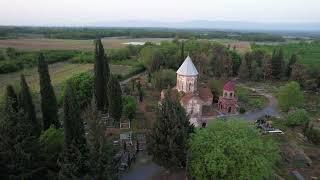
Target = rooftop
(187,68)
(229,86)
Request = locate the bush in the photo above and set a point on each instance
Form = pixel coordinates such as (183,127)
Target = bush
(290,96)
(129,106)
(242,94)
(8,66)
(297,117)
(164,78)
(52,140)
(83,85)
(256,103)
(242,110)
(313,134)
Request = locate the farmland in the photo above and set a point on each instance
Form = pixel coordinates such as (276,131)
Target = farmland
(59,72)
(68,44)
(309,53)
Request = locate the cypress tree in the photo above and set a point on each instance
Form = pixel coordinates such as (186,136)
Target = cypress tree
(277,63)
(168,140)
(292,61)
(101,71)
(74,160)
(72,122)
(11,100)
(26,104)
(115,98)
(49,105)
(20,151)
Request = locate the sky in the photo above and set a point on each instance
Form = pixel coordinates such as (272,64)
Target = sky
(84,12)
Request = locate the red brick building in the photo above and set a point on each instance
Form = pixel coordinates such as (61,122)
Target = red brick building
(228,102)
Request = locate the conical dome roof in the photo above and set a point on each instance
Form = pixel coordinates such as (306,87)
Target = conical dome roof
(187,68)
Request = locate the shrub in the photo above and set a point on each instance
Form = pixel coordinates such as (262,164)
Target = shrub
(242,110)
(83,85)
(52,140)
(164,78)
(290,96)
(8,66)
(129,106)
(297,117)
(313,134)
(256,103)
(243,94)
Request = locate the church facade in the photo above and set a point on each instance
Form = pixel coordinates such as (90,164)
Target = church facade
(192,97)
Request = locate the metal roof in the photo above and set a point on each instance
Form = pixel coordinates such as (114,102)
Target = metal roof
(187,68)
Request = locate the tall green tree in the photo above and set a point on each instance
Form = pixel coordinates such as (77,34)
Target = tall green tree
(290,96)
(11,99)
(277,63)
(26,104)
(101,72)
(168,142)
(49,105)
(115,98)
(101,152)
(20,151)
(293,59)
(74,161)
(244,71)
(231,150)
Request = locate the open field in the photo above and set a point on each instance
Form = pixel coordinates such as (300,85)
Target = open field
(309,53)
(66,44)
(59,72)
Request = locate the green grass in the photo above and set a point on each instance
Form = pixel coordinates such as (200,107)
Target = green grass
(309,53)
(59,72)
(249,99)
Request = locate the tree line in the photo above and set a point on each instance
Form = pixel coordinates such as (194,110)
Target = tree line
(93,33)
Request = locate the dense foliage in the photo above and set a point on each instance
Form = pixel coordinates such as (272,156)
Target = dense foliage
(231,150)
(115,98)
(49,105)
(170,134)
(83,86)
(129,106)
(28,108)
(298,117)
(164,78)
(290,96)
(101,76)
(14,60)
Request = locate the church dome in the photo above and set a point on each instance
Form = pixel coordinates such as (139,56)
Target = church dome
(187,68)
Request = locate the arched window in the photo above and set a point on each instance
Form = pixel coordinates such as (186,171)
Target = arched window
(231,94)
(189,86)
(225,94)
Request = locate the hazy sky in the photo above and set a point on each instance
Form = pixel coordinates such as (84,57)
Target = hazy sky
(82,12)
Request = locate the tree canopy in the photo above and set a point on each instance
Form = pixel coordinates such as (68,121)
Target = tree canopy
(170,134)
(231,150)
(49,105)
(290,96)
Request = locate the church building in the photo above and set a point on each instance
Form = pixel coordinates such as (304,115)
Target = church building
(192,97)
